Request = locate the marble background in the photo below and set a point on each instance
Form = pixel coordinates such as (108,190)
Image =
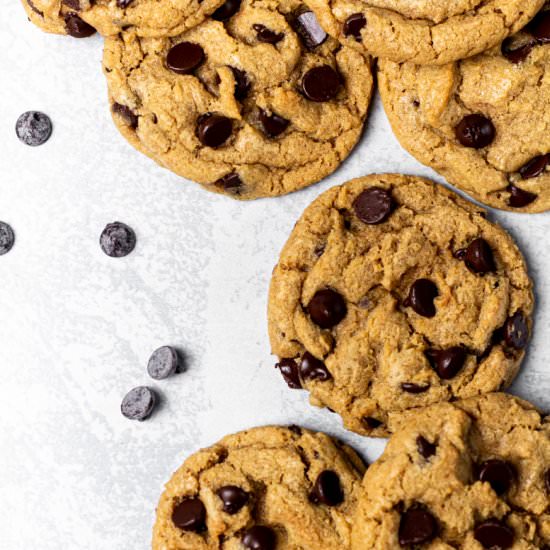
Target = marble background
(78,327)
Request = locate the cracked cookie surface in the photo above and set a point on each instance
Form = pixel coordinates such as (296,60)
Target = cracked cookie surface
(259,105)
(264,488)
(472,474)
(393,293)
(423,31)
(483,123)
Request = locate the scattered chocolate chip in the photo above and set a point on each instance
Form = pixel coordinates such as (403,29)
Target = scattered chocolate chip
(242,84)
(7,238)
(475,131)
(535,167)
(214,130)
(33,128)
(233,498)
(540,27)
(520,198)
(295,429)
(516,55)
(371,422)
(267,35)
(73,4)
(409,387)
(259,537)
(312,368)
(374,205)
(327,489)
(230,182)
(117,240)
(164,362)
(138,403)
(77,27)
(307,26)
(516,331)
(494,534)
(290,373)
(354,24)
(127,114)
(273,125)
(190,515)
(321,83)
(425,448)
(479,257)
(447,362)
(421,297)
(185,57)
(327,308)
(498,473)
(227,11)
(417,526)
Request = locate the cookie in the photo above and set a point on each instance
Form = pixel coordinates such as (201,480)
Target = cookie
(393,293)
(266,488)
(58,17)
(259,105)
(423,31)
(483,123)
(472,474)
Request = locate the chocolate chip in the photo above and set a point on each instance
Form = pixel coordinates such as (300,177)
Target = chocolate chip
(227,11)
(273,125)
(296,430)
(479,256)
(214,130)
(520,198)
(535,167)
(421,297)
(327,308)
(409,387)
(259,537)
(516,55)
(494,534)
(164,362)
(7,238)
(498,473)
(447,362)
(540,27)
(185,57)
(353,25)
(242,84)
(290,373)
(307,26)
(190,515)
(417,526)
(312,368)
(230,182)
(267,35)
(475,131)
(123,3)
(127,114)
(233,498)
(327,489)
(117,240)
(371,422)
(374,205)
(516,331)
(33,128)
(138,403)
(77,27)
(321,83)
(425,448)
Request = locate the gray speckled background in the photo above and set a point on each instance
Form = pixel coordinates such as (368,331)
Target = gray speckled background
(78,327)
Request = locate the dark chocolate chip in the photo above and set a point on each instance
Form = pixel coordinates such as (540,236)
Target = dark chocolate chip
(327,489)
(307,26)
(273,125)
(494,534)
(117,240)
(417,526)
(267,35)
(127,114)
(312,368)
(233,498)
(164,362)
(540,27)
(425,448)
(371,422)
(242,84)
(421,297)
(516,55)
(374,205)
(409,387)
(327,308)
(190,515)
(7,238)
(520,198)
(498,473)
(321,83)
(214,130)
(354,24)
(259,537)
(296,430)
(479,257)
(138,403)
(33,128)
(290,372)
(447,362)
(77,27)
(227,11)
(123,3)
(230,182)
(185,57)
(535,167)
(516,331)
(475,131)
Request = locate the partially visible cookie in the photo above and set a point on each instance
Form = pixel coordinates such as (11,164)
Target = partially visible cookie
(259,105)
(483,123)
(393,293)
(473,474)
(423,31)
(263,489)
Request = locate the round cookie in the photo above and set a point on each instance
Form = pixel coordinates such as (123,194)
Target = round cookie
(260,105)
(473,474)
(393,293)
(483,123)
(269,488)
(423,31)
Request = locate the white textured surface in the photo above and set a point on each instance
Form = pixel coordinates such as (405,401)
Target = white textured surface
(78,327)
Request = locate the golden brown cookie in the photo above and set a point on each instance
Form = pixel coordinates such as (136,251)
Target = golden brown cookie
(264,489)
(393,293)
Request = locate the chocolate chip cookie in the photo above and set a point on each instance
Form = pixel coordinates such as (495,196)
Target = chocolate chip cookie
(266,488)
(260,104)
(423,31)
(483,123)
(393,293)
(472,474)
